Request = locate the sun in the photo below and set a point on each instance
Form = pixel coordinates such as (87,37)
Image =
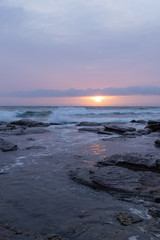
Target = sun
(98,99)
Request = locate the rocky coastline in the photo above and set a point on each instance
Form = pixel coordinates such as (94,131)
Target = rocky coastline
(127,175)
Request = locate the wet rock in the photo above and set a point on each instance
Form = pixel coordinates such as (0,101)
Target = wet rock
(135,161)
(88,124)
(138,121)
(82,175)
(54,237)
(154,210)
(132,134)
(133,121)
(7,127)
(154,126)
(35,130)
(157,143)
(21,130)
(9,232)
(118,129)
(95,130)
(29,123)
(127,219)
(116,179)
(30,139)
(35,148)
(155,229)
(104,132)
(6,146)
(144,131)
(157,200)
(54,123)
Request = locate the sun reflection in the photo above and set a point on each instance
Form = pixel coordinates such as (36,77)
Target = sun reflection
(98,149)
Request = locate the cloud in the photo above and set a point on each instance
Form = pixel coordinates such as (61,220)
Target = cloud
(72,92)
(70,19)
(82,43)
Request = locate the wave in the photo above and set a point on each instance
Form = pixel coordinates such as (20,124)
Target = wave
(6,116)
(113,113)
(76,115)
(77,111)
(27,114)
(79,114)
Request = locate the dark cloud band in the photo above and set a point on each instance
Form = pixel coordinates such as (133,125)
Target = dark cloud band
(126,91)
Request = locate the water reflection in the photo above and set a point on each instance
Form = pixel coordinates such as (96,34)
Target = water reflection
(98,149)
(93,153)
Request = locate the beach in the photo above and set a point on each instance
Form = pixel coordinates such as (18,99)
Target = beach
(53,174)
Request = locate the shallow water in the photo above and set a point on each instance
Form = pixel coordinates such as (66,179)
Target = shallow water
(38,195)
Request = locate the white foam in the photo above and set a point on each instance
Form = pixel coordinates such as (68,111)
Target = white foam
(7,116)
(157,235)
(133,238)
(142,229)
(140,213)
(22,157)
(79,114)
(17,163)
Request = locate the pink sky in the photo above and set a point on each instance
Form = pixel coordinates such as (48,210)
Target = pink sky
(80,44)
(84,101)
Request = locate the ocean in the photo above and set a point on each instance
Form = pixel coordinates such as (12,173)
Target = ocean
(71,115)
(38,195)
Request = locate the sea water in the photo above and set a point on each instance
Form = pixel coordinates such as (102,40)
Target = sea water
(37,192)
(67,115)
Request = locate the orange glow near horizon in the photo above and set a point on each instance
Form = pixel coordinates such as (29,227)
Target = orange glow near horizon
(98,99)
(83,101)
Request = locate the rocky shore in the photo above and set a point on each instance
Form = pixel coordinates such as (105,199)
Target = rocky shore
(130,174)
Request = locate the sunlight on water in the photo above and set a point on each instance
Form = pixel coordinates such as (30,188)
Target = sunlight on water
(97,148)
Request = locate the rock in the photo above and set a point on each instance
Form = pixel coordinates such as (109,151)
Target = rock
(7,127)
(154,229)
(54,237)
(154,126)
(120,180)
(157,200)
(6,146)
(95,130)
(35,148)
(133,121)
(132,134)
(104,132)
(88,124)
(157,143)
(53,123)
(112,178)
(144,131)
(133,161)
(138,121)
(82,175)
(35,130)
(154,210)
(127,219)
(29,123)
(117,129)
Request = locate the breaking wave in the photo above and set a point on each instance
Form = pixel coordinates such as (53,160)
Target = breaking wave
(33,114)
(78,114)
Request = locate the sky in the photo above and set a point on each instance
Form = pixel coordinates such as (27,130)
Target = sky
(64,52)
